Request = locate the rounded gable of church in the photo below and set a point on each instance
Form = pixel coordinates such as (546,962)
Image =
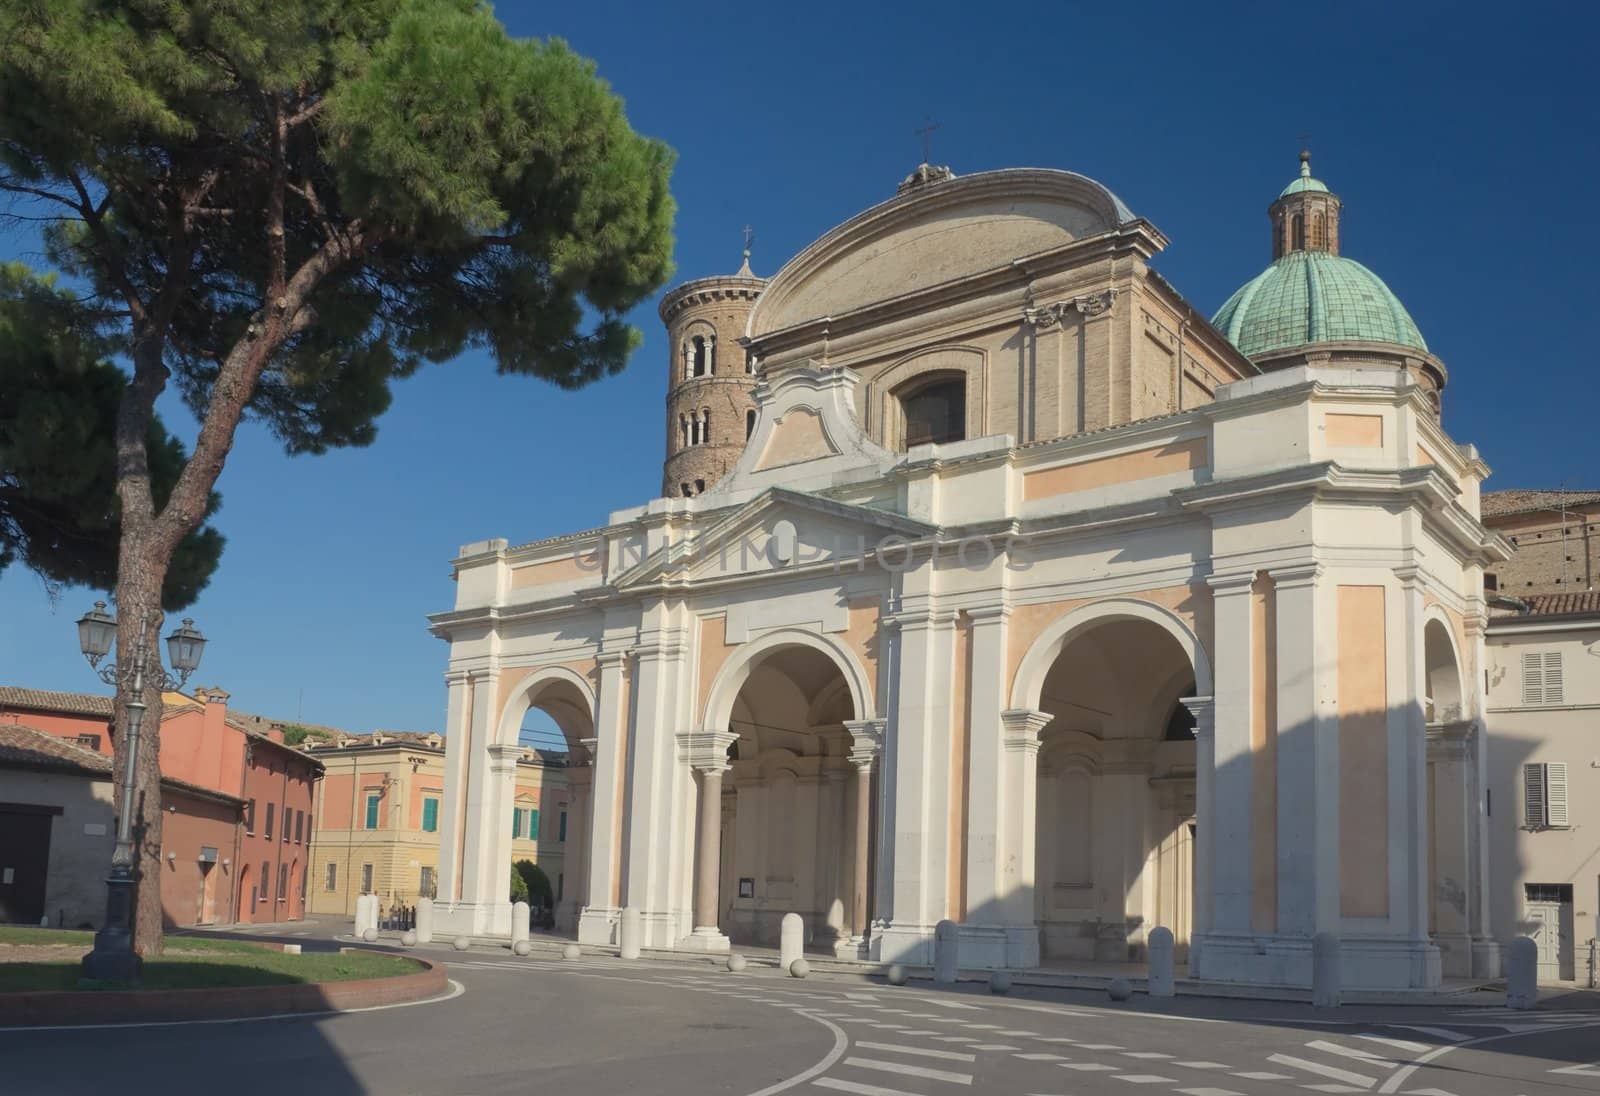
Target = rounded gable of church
(932,235)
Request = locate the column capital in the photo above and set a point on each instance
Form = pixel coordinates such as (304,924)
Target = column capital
(1203,708)
(1410,575)
(1296,574)
(617,657)
(913,619)
(1022,727)
(503,758)
(990,614)
(1452,741)
(705,751)
(452,678)
(866,738)
(1236,582)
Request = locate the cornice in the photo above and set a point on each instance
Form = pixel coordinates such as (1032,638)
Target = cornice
(712,290)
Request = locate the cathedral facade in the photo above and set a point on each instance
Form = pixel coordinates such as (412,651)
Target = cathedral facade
(992,582)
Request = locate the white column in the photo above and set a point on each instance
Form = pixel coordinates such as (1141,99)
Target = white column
(1230,830)
(652,773)
(1014,875)
(992,927)
(457,748)
(1308,759)
(1452,760)
(1205,807)
(866,738)
(477,891)
(574,857)
(1409,825)
(602,881)
(1487,958)
(918,732)
(707,755)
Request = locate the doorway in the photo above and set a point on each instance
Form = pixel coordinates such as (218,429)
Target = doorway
(24,861)
(1548,917)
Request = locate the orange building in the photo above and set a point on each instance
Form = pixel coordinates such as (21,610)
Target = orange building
(237,801)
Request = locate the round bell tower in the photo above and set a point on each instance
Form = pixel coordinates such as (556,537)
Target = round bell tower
(711,381)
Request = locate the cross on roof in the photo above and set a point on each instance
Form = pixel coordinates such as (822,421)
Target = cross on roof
(926,131)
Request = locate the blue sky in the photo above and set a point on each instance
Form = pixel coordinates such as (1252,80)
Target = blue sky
(1461,140)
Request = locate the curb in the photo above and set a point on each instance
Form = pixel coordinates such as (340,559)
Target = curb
(51,1007)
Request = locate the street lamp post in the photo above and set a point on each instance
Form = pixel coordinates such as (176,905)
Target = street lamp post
(113,958)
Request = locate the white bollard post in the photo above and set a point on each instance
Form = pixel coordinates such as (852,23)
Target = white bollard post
(791,940)
(631,930)
(946,952)
(361,915)
(1326,975)
(1522,974)
(519,922)
(424,920)
(1162,982)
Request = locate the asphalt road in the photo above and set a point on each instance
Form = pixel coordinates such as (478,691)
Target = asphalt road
(603,1026)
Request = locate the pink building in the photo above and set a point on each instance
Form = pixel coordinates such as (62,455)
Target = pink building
(237,800)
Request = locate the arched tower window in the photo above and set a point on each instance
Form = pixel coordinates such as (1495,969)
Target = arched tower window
(699,356)
(749,363)
(1297,232)
(749,423)
(705,425)
(683,429)
(935,412)
(1319,231)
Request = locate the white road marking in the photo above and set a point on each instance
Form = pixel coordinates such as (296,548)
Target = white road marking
(910,1071)
(1041,1057)
(1145,1079)
(896,1048)
(1590,1070)
(1101,1046)
(1352,1052)
(954,1039)
(1144,1054)
(1333,1073)
(858,1089)
(1088,1067)
(1262,1075)
(1056,1039)
(1400,1044)
(993,1046)
(1202,1065)
(862,996)
(1209,1092)
(1438,1033)
(1019,1034)
(1333,1086)
(1428,1092)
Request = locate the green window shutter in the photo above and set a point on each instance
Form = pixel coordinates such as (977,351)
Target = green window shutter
(372,812)
(516,822)
(430,815)
(533,824)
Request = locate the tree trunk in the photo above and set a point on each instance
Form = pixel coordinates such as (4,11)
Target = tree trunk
(140,575)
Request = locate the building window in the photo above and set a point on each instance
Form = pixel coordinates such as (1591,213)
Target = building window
(699,486)
(430,815)
(684,491)
(749,423)
(283,882)
(427,888)
(749,363)
(373,799)
(331,882)
(561,827)
(1544,800)
(250,818)
(705,426)
(700,355)
(270,807)
(1297,232)
(288,823)
(1491,582)
(266,881)
(936,412)
(299,826)
(1542,677)
(533,824)
(366,878)
(92,741)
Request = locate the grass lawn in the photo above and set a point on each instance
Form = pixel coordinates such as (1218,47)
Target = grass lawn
(188,963)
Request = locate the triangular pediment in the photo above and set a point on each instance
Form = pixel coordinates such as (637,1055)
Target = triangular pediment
(779,530)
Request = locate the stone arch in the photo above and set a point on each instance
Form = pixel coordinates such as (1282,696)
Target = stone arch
(724,691)
(885,420)
(1445,687)
(1028,684)
(527,695)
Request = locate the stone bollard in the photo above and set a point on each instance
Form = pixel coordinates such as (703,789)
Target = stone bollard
(572,951)
(519,922)
(791,940)
(522,947)
(1522,974)
(370,935)
(424,920)
(946,952)
(895,975)
(1000,981)
(1162,982)
(736,963)
(628,934)
(461,943)
(408,939)
(1326,975)
(799,968)
(1119,989)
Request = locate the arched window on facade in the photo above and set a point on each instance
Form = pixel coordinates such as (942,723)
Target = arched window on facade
(1297,232)
(705,425)
(935,411)
(700,355)
(699,486)
(683,431)
(683,490)
(1319,231)
(749,423)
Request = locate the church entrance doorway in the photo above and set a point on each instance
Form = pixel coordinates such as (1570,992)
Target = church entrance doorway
(1116,804)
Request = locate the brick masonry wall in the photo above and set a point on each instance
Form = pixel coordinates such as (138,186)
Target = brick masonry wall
(1552,556)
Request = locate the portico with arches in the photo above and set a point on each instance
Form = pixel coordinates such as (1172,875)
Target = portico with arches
(1024,599)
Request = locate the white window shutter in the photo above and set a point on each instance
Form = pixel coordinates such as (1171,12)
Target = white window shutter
(1532,677)
(1533,815)
(1555,794)
(1553,683)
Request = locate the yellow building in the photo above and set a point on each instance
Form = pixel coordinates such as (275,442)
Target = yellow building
(378,818)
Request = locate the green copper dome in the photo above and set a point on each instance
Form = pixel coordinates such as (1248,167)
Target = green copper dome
(1310,297)
(1303,184)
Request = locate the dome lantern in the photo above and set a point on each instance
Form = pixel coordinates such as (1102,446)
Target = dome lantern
(1306,215)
